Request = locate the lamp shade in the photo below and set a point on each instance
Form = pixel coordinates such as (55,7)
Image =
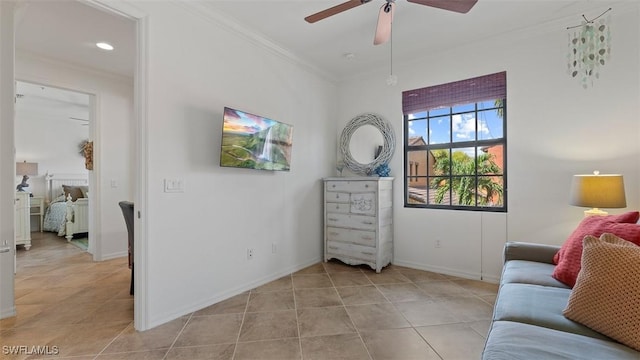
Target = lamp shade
(598,191)
(25,168)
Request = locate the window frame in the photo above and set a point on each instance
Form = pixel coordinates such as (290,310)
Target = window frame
(451,146)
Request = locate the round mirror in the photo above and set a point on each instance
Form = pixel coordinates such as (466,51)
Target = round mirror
(363,135)
(364,143)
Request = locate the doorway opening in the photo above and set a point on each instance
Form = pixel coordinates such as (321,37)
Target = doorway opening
(53,130)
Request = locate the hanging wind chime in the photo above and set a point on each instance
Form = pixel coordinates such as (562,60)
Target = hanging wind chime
(589,48)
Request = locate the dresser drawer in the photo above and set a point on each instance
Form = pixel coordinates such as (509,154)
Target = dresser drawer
(363,203)
(351,221)
(332,207)
(361,237)
(351,250)
(340,197)
(351,186)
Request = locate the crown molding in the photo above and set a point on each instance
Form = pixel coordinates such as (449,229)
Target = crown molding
(28,55)
(231,24)
(619,8)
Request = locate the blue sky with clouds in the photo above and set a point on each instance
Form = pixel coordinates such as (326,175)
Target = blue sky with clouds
(462,125)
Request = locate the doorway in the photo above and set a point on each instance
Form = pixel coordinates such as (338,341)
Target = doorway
(52,131)
(122,182)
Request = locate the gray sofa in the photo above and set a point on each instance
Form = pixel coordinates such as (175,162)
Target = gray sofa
(527,318)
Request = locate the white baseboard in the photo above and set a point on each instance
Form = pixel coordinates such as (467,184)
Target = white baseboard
(230,293)
(7,313)
(113,256)
(447,271)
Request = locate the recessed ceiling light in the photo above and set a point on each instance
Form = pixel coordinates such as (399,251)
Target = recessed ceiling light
(104,46)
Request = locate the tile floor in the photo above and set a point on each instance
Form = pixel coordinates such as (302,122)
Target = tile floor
(83,310)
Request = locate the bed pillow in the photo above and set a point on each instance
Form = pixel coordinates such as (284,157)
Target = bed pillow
(568,257)
(607,290)
(74,191)
(85,191)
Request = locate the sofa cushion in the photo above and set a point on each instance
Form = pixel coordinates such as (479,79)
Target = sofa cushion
(538,305)
(569,255)
(607,292)
(509,340)
(529,272)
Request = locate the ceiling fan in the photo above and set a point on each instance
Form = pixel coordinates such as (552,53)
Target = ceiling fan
(385,17)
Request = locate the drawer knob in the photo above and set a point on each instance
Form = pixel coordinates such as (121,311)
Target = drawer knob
(366,185)
(333,186)
(337,196)
(332,219)
(367,222)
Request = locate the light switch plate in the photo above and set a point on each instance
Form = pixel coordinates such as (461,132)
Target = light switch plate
(173,185)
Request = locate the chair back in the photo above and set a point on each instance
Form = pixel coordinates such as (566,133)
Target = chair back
(127,211)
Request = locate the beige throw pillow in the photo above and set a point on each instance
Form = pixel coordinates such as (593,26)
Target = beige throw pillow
(607,291)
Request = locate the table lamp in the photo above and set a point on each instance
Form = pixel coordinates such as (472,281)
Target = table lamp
(25,169)
(598,191)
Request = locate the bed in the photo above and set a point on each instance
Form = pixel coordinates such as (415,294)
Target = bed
(67,199)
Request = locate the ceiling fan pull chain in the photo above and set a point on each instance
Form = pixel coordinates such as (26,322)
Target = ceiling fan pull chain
(392,80)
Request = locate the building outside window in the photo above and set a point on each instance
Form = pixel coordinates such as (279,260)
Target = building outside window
(455,145)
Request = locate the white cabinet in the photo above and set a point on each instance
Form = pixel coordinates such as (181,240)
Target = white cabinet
(36,205)
(358,220)
(23,221)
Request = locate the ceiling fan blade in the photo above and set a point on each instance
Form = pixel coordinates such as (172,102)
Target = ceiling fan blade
(385,19)
(459,6)
(334,10)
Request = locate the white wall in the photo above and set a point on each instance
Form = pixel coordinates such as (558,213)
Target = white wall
(555,129)
(113,139)
(198,240)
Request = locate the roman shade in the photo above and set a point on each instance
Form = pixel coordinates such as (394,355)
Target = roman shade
(481,88)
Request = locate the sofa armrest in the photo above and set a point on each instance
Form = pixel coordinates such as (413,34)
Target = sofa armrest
(514,250)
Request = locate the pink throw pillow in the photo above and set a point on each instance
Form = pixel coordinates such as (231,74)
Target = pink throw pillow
(569,256)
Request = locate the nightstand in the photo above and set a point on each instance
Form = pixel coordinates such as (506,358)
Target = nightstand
(37,208)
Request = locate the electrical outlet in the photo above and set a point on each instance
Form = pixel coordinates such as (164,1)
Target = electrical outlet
(249,253)
(274,248)
(437,244)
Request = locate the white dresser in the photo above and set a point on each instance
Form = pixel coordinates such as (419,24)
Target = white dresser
(23,221)
(358,220)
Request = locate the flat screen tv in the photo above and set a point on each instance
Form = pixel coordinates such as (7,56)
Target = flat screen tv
(255,142)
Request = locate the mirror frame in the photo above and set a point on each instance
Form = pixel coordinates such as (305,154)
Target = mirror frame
(388,147)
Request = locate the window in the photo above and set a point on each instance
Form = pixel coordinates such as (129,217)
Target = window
(455,145)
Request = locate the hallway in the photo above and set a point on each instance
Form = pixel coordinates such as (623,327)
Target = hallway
(66,300)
